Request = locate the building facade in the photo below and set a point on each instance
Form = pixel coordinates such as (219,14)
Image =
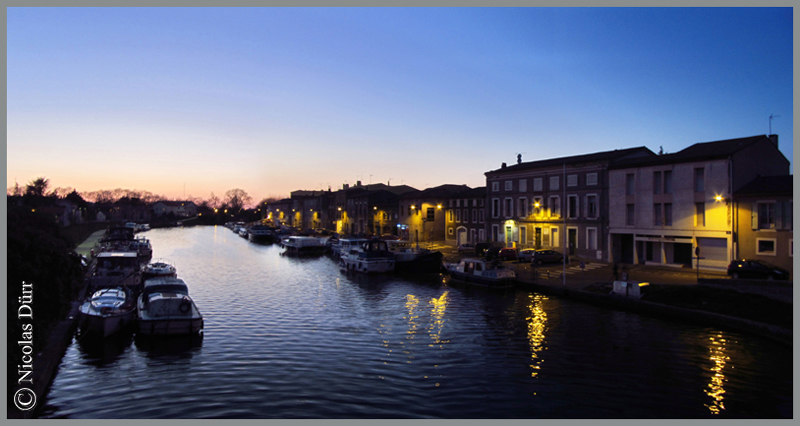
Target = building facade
(763,221)
(668,209)
(559,203)
(465,216)
(421,215)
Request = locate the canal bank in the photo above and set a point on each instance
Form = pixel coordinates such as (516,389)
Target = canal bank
(59,338)
(715,296)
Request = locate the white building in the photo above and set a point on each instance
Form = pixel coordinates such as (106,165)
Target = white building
(663,209)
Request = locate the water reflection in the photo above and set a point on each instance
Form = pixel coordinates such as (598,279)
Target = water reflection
(169,346)
(106,351)
(437,320)
(537,324)
(716,389)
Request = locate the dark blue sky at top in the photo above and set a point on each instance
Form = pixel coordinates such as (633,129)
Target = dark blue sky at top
(334,95)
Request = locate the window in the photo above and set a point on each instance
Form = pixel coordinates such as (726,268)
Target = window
(450,231)
(458,203)
(553,183)
(554,205)
(523,234)
(699,180)
(572,180)
(495,208)
(495,231)
(668,214)
(466,216)
(591,206)
(495,186)
(522,207)
(765,246)
(629,219)
(481,235)
(458,215)
(480,215)
(766,216)
(537,184)
(554,237)
(699,214)
(537,210)
(629,184)
(657,216)
(509,185)
(591,238)
(787,215)
(449,215)
(668,181)
(509,207)
(572,206)
(450,203)
(474,215)
(591,179)
(656,182)
(523,185)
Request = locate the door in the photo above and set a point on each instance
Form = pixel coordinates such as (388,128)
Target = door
(572,240)
(509,240)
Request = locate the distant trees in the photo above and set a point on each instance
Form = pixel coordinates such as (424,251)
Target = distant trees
(37,187)
(236,199)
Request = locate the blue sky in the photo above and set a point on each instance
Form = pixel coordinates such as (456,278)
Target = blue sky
(274,100)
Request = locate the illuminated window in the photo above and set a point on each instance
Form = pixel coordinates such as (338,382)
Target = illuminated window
(591,179)
(449,215)
(537,184)
(450,231)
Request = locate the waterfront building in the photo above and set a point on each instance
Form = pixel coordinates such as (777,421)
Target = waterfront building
(664,208)
(554,203)
(421,215)
(280,212)
(178,208)
(763,222)
(465,217)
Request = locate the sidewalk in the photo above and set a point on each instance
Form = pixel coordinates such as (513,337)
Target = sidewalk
(85,247)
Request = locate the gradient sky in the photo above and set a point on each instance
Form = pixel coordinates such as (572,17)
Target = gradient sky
(273,100)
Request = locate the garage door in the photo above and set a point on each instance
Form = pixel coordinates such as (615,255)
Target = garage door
(713,248)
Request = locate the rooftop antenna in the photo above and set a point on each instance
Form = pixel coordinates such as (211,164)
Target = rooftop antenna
(771,116)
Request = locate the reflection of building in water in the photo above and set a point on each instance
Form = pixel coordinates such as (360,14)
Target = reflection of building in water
(437,318)
(537,323)
(716,387)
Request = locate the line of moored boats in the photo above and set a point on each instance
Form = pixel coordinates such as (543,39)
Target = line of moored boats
(379,255)
(128,291)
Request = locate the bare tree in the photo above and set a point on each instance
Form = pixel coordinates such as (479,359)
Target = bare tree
(37,187)
(237,199)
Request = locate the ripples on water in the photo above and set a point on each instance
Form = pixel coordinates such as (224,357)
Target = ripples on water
(293,337)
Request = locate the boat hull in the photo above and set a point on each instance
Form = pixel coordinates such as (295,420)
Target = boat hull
(428,263)
(506,282)
(105,325)
(170,326)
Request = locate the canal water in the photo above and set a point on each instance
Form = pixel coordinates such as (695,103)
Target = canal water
(290,337)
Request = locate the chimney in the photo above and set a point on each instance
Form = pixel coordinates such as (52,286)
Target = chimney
(503,166)
(358,183)
(774,139)
(519,158)
(345,186)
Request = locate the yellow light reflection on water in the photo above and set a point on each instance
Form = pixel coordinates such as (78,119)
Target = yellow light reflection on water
(411,305)
(537,325)
(437,318)
(716,389)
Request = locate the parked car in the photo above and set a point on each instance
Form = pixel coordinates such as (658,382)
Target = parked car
(483,249)
(507,254)
(756,269)
(526,255)
(466,249)
(546,256)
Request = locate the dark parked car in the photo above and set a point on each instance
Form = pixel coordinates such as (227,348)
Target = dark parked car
(466,249)
(756,269)
(545,256)
(507,254)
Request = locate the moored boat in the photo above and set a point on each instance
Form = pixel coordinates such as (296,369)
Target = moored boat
(158,269)
(482,272)
(260,234)
(303,245)
(417,260)
(107,311)
(371,256)
(165,308)
(116,268)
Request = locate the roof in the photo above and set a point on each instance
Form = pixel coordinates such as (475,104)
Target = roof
(700,151)
(596,157)
(768,185)
(441,191)
(174,203)
(479,192)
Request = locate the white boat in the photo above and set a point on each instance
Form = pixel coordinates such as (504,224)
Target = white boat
(302,245)
(370,256)
(158,269)
(408,258)
(107,311)
(482,272)
(165,308)
(116,268)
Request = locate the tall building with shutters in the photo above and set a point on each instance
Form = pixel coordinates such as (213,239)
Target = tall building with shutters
(663,210)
